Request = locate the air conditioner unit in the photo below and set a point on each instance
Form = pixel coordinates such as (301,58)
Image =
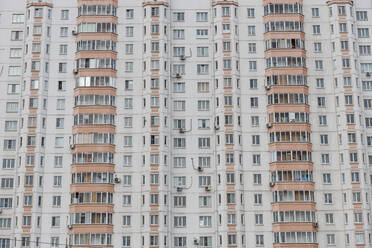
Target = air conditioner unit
(216,127)
(182,130)
(368,74)
(74,32)
(69,227)
(267,87)
(200,169)
(178,75)
(72,146)
(75,71)
(292,120)
(272,184)
(269,124)
(117,180)
(182,57)
(196,241)
(315,224)
(179,189)
(208,188)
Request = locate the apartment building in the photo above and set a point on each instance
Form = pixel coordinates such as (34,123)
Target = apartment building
(199,123)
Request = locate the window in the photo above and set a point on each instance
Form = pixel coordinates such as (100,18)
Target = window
(179,105)
(356,197)
(257,179)
(315,12)
(327,178)
(179,69)
(317,47)
(127,160)
(254,102)
(7,183)
(328,198)
(359,237)
(155,29)
(316,29)
(179,142)
(252,47)
(226,28)
(179,87)
(256,159)
(350,119)
(128,103)
(57,181)
(255,139)
(15,52)
(260,240)
(38,12)
(201,16)
(54,242)
(202,52)
(205,221)
(203,87)
(35,66)
(321,101)
(8,163)
(11,126)
(127,200)
(128,66)
(154,46)
(252,65)
(14,71)
(343,27)
(179,34)
(324,139)
(37,30)
(257,199)
(62,67)
(5,223)
(178,16)
(230,198)
(331,240)
(63,32)
(179,201)
(322,120)
(13,88)
(63,49)
(250,13)
(129,13)
(129,31)
(16,35)
(366,67)
(365,50)
(251,30)
(225,11)
(18,18)
(255,120)
(56,221)
(180,51)
(154,65)
(65,14)
(154,11)
(346,63)
(203,105)
(154,240)
(319,64)
(362,16)
(9,144)
(128,141)
(363,32)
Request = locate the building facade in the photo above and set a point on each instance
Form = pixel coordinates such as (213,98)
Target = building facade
(199,123)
